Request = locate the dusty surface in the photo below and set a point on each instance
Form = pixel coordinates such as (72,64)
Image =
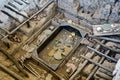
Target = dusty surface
(24,41)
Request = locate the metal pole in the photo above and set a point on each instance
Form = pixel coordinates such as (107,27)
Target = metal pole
(115,50)
(105,38)
(48,3)
(110,39)
(84,64)
(96,63)
(102,54)
(96,68)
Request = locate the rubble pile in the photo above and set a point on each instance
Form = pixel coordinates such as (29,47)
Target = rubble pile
(93,11)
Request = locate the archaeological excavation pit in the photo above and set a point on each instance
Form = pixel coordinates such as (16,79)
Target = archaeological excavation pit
(60,44)
(59,40)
